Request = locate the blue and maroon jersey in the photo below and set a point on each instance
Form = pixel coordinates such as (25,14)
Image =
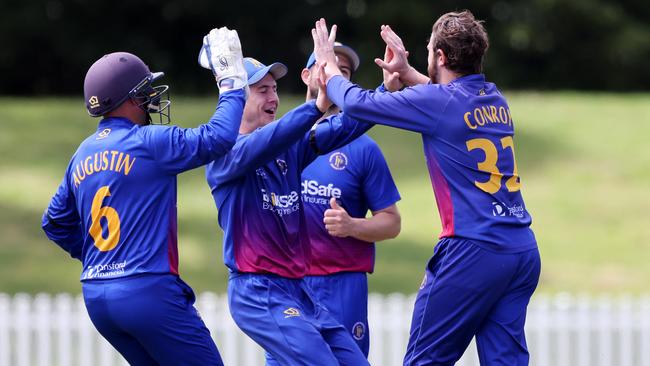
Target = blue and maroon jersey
(467,132)
(256,188)
(116,207)
(358,177)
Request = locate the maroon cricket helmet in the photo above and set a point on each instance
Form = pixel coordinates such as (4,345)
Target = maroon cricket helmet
(118,76)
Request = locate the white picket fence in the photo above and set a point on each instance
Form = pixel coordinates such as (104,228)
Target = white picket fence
(561,330)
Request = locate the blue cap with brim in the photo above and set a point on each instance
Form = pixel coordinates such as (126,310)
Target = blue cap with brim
(257,70)
(342,49)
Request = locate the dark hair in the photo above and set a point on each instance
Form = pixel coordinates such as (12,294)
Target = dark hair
(463,39)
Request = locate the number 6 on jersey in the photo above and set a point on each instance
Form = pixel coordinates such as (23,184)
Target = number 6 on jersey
(97,211)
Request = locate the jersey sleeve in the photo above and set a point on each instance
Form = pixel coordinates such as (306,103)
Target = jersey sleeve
(265,143)
(416,108)
(379,188)
(61,221)
(180,149)
(330,134)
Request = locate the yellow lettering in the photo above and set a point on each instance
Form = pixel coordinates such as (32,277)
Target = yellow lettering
(76,180)
(104,160)
(486,114)
(467,122)
(509,116)
(477,114)
(97,163)
(503,115)
(493,112)
(79,171)
(113,153)
(127,164)
(88,167)
(119,161)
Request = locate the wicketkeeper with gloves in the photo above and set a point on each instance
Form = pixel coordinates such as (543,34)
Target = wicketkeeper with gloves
(115,210)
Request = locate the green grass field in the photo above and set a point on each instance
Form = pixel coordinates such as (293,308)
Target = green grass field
(583,158)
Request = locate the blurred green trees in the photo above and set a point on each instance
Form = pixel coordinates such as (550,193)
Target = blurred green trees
(47,45)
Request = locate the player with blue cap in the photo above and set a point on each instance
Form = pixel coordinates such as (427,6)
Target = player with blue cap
(339,49)
(256,188)
(338,189)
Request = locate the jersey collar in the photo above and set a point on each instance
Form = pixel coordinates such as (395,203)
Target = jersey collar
(115,122)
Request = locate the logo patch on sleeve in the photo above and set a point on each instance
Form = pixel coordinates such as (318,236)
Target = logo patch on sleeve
(424,281)
(358,331)
(103,134)
(291,312)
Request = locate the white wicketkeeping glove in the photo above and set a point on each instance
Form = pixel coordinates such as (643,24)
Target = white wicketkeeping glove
(221,53)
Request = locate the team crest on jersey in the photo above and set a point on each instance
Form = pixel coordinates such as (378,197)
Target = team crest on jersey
(103,134)
(338,160)
(358,331)
(291,312)
(497,209)
(261,172)
(501,209)
(282,165)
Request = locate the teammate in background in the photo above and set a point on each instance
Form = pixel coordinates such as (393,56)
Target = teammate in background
(256,188)
(338,190)
(486,265)
(115,210)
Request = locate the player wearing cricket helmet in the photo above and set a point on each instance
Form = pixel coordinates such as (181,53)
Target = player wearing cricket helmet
(115,209)
(121,76)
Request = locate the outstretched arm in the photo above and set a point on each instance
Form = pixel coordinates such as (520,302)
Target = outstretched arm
(61,222)
(264,144)
(179,149)
(413,109)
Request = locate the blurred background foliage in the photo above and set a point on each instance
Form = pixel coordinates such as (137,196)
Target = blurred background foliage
(47,45)
(581,144)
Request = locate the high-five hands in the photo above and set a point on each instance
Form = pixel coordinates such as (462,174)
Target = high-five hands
(398,62)
(391,79)
(395,62)
(323,103)
(221,52)
(337,221)
(324,49)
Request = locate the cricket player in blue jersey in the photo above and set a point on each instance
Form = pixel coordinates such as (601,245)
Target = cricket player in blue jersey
(115,210)
(256,188)
(338,189)
(486,266)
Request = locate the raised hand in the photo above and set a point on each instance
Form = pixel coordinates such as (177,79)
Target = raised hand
(322,101)
(324,47)
(391,79)
(222,53)
(399,60)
